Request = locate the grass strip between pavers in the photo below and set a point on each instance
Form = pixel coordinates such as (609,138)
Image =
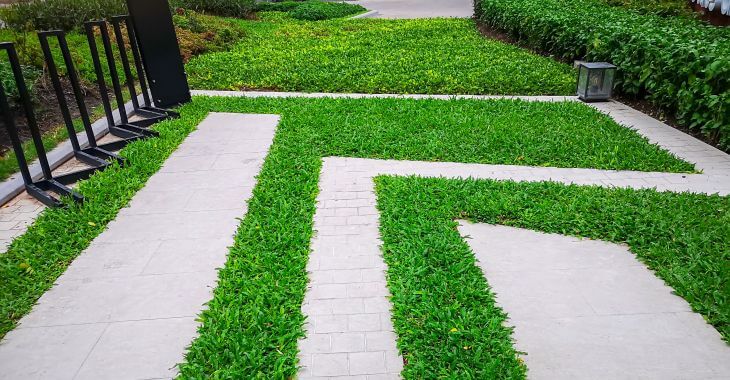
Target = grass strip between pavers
(254,319)
(444,312)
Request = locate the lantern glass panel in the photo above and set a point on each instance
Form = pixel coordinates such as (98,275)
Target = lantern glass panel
(582,81)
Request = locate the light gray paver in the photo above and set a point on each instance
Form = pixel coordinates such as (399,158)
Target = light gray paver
(277,94)
(585,309)
(706,158)
(126,307)
(16,216)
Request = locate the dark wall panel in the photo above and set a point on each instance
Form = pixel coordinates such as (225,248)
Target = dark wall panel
(160,51)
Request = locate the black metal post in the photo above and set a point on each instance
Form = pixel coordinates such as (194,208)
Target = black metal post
(100,81)
(93,155)
(109,53)
(40,189)
(53,73)
(13,132)
(124,125)
(134,47)
(148,114)
(125,59)
(28,108)
(160,52)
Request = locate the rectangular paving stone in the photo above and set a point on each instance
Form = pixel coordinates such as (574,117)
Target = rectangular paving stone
(350,254)
(139,349)
(61,354)
(594,314)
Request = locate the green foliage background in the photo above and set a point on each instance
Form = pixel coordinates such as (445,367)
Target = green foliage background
(679,64)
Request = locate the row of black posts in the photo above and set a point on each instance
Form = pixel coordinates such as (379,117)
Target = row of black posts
(97,156)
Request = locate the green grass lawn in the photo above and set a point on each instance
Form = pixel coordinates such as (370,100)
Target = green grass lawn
(446,56)
(281,53)
(436,285)
(254,320)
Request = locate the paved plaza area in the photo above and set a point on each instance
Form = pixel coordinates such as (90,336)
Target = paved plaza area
(419,8)
(126,307)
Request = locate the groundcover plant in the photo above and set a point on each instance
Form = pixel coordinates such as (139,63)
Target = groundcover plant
(253,322)
(446,56)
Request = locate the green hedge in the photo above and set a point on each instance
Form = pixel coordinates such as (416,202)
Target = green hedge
(231,8)
(678,64)
(59,14)
(277,6)
(318,10)
(657,7)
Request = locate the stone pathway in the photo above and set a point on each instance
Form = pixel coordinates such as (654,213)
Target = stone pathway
(16,216)
(349,331)
(347,277)
(586,309)
(126,307)
(419,8)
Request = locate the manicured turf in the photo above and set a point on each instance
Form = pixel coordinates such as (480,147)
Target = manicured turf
(444,312)
(445,56)
(435,284)
(254,321)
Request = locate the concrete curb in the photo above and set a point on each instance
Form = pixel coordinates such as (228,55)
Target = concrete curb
(334,95)
(368,14)
(14,185)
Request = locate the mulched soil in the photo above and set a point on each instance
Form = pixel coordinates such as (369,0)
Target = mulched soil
(47,111)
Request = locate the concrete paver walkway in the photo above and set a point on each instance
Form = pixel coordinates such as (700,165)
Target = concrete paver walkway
(126,307)
(344,259)
(586,309)
(419,8)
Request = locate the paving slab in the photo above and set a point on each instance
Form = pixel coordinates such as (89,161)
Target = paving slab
(126,307)
(591,310)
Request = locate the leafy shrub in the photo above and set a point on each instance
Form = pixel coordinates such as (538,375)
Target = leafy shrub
(318,10)
(679,64)
(31,62)
(657,7)
(279,6)
(30,75)
(231,8)
(198,33)
(58,14)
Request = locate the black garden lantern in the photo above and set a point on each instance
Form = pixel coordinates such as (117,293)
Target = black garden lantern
(595,81)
